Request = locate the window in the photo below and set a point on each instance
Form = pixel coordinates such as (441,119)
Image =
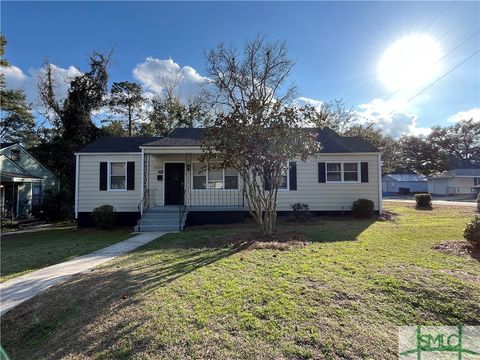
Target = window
(350,172)
(15,154)
(199,177)
(118,176)
(226,179)
(231,179)
(215,178)
(334,171)
(36,194)
(343,172)
(283,185)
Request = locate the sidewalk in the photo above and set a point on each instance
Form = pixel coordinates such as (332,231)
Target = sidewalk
(15,291)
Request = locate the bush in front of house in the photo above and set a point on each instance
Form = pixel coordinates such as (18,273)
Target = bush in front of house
(471,233)
(363,208)
(424,201)
(104,217)
(56,205)
(301,212)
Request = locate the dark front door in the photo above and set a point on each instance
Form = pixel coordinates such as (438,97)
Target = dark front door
(174,179)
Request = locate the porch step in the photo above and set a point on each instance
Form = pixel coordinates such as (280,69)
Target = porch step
(161,219)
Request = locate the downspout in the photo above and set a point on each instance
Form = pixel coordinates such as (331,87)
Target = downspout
(379,167)
(142,183)
(77,167)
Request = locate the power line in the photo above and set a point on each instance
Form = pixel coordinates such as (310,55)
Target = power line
(440,78)
(438,60)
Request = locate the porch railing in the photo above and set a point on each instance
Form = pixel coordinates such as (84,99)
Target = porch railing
(216,197)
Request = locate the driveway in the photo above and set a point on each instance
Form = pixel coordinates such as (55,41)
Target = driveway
(15,291)
(435,202)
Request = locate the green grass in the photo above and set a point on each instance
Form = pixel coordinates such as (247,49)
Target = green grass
(23,253)
(341,296)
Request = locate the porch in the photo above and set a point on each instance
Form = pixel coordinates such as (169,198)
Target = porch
(19,195)
(178,180)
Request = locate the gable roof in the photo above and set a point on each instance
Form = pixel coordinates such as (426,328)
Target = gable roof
(4,145)
(331,142)
(117,144)
(405,177)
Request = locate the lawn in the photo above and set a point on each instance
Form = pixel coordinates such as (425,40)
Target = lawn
(341,295)
(23,253)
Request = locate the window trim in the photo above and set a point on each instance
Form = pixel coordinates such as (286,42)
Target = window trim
(342,172)
(109,177)
(206,180)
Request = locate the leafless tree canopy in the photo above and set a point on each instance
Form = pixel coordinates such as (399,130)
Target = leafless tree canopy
(257,74)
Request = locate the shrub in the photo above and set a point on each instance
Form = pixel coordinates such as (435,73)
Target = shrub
(301,212)
(56,205)
(363,208)
(471,233)
(424,201)
(478,202)
(104,217)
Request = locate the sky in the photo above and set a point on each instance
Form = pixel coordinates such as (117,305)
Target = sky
(376,56)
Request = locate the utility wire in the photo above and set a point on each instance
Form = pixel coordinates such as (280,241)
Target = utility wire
(440,78)
(438,60)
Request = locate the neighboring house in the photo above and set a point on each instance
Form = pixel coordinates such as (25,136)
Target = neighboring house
(24,180)
(456,181)
(404,184)
(160,180)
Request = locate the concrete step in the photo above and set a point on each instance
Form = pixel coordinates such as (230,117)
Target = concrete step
(165,209)
(168,215)
(145,221)
(149,228)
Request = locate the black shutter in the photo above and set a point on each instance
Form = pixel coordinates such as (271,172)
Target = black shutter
(131,175)
(364,170)
(103,176)
(475,181)
(292,174)
(321,172)
(266,183)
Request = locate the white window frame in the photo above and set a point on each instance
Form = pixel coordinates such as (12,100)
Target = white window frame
(288,179)
(342,172)
(109,177)
(206,180)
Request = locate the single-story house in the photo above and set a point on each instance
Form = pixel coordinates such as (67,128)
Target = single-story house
(24,180)
(404,184)
(455,181)
(158,183)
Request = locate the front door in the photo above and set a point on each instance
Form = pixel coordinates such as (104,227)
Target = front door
(174,179)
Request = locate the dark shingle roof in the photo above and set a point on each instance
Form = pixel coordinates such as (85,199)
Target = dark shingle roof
(5,145)
(331,142)
(117,144)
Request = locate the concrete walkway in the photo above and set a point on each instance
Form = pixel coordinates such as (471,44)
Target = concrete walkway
(436,202)
(15,291)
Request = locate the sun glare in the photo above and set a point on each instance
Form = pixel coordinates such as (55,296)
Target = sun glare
(410,62)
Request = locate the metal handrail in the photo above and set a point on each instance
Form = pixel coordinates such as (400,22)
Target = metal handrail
(144,205)
(181,211)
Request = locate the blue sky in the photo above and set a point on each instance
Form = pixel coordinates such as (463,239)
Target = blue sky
(337,47)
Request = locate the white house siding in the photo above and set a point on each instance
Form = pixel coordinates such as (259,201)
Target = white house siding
(453,185)
(89,195)
(330,196)
(319,196)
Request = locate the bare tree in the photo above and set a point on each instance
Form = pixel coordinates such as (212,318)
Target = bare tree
(255,133)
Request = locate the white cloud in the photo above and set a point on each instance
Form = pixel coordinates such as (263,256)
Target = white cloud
(16,79)
(390,118)
(153,73)
(302,101)
(466,115)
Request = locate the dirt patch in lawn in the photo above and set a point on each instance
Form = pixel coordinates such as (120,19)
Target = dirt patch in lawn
(388,215)
(250,240)
(459,248)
